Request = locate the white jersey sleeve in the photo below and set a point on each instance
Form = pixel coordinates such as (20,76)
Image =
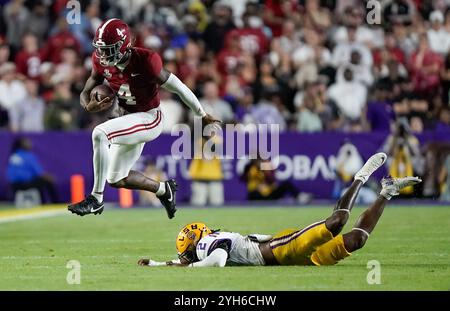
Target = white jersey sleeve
(241,250)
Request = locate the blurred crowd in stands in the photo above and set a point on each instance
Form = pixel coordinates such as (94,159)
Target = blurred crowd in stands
(307,65)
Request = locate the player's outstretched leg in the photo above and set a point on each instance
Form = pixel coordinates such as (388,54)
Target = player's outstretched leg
(93,203)
(341,212)
(365,224)
(342,246)
(165,191)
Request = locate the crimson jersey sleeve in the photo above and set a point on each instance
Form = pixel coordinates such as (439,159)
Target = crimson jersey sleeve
(95,63)
(154,64)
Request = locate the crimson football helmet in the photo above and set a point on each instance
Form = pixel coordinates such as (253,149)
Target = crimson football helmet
(111,42)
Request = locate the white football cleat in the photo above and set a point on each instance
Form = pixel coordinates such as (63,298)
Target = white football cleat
(392,186)
(371,165)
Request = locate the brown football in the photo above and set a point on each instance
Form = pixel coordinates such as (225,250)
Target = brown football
(101,91)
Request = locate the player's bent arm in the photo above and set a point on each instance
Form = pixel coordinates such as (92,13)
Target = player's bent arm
(85,96)
(171,83)
(218,258)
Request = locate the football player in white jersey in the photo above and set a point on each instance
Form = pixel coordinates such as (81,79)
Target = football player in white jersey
(318,244)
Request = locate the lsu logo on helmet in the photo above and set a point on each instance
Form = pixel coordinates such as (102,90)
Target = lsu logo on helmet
(188,238)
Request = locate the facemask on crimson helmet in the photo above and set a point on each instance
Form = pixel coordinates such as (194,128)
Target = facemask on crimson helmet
(111,42)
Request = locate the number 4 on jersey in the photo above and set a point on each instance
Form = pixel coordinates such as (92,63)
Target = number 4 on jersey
(125,93)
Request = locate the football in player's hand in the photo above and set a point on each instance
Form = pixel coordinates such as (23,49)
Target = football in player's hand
(103,97)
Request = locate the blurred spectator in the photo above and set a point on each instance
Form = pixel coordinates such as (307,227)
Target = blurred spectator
(251,37)
(404,155)
(443,123)
(16,15)
(405,38)
(349,95)
(12,90)
(342,53)
(206,174)
(438,36)
(262,185)
(198,9)
(221,22)
(276,11)
(151,171)
(308,118)
(288,41)
(25,172)
(60,39)
(435,156)
(230,59)
(38,22)
(316,111)
(425,66)
(28,114)
(212,103)
(266,80)
(63,108)
(316,17)
(5,53)
(361,72)
(400,11)
(268,112)
(379,108)
(354,28)
(310,57)
(28,60)
(444,181)
(173,111)
(394,75)
(390,53)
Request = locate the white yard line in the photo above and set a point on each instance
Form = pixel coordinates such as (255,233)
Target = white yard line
(32,215)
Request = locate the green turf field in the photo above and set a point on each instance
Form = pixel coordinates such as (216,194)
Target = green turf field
(411,244)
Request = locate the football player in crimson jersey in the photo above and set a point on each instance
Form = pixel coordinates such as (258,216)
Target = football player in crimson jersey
(135,75)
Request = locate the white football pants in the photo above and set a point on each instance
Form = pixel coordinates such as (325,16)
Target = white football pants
(118,144)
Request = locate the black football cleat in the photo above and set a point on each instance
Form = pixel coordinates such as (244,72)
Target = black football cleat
(90,205)
(168,199)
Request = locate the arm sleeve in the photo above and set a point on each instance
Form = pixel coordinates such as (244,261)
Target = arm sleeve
(174,85)
(218,258)
(154,263)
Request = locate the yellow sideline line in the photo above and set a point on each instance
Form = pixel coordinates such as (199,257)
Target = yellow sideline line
(32,212)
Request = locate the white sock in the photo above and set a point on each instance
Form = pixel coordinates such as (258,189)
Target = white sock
(161,190)
(100,160)
(363,179)
(98,196)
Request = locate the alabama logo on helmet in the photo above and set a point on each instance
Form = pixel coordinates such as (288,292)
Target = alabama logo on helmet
(111,42)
